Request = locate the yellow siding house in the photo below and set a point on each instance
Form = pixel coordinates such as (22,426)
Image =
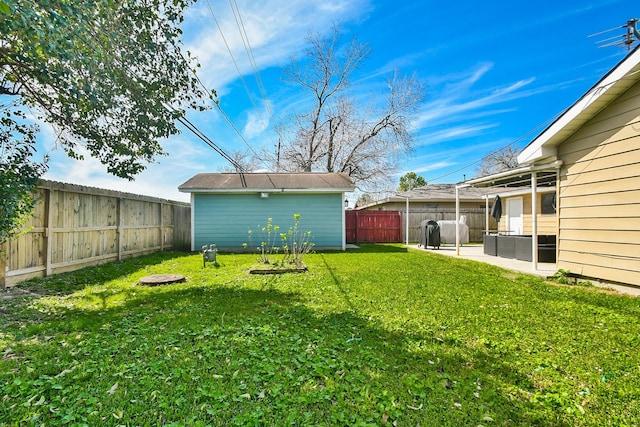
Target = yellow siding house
(596,144)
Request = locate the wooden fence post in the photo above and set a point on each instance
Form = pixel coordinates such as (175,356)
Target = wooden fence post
(119,221)
(3,263)
(48,234)
(161,226)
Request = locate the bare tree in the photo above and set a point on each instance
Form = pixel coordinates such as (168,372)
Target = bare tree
(338,133)
(243,161)
(504,159)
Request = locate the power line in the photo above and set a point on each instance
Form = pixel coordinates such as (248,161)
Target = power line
(233,59)
(252,60)
(236,129)
(631,36)
(520,138)
(196,131)
(182,119)
(592,92)
(224,114)
(244,83)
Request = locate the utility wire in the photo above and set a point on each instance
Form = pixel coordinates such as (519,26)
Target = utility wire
(244,83)
(233,59)
(592,92)
(236,129)
(520,138)
(225,114)
(252,60)
(196,131)
(183,120)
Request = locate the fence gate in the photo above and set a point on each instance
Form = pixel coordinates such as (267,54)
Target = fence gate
(373,226)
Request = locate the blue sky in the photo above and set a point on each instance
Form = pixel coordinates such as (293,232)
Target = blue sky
(495,73)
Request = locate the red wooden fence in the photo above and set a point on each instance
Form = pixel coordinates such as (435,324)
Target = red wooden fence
(373,226)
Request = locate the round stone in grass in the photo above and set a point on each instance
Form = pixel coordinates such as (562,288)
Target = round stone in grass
(161,279)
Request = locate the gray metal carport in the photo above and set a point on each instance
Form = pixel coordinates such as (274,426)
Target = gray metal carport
(533,176)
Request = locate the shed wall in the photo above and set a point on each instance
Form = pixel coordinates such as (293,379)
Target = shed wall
(225,219)
(599,198)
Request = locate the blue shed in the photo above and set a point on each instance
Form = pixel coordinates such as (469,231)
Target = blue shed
(225,206)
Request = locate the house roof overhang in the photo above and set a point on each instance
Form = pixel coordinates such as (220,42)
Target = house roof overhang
(508,192)
(544,147)
(546,175)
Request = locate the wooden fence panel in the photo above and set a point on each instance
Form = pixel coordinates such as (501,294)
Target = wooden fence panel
(28,251)
(82,226)
(75,226)
(476,220)
(181,236)
(364,226)
(373,226)
(142,228)
(351,227)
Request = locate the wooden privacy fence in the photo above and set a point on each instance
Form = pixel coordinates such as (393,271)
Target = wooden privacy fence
(75,226)
(373,226)
(476,220)
(365,226)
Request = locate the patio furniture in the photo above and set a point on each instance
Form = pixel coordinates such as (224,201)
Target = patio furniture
(519,247)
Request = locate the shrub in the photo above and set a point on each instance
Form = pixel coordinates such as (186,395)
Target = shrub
(267,246)
(296,243)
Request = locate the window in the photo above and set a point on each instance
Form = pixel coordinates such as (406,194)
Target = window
(548,203)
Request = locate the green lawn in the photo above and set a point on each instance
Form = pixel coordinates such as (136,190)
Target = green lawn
(376,336)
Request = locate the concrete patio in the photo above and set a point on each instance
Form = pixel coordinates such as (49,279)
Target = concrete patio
(476,253)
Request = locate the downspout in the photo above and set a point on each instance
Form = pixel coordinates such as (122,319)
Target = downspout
(193,224)
(557,216)
(344,222)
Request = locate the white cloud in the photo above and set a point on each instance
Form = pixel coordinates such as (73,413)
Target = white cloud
(428,167)
(455,132)
(275,30)
(459,98)
(257,122)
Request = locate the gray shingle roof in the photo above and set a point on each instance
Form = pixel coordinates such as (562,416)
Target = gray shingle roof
(433,193)
(443,192)
(295,182)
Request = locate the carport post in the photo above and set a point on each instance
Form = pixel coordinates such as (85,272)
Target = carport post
(457,221)
(486,214)
(534,220)
(406,222)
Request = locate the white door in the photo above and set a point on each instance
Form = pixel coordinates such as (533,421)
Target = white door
(514,215)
